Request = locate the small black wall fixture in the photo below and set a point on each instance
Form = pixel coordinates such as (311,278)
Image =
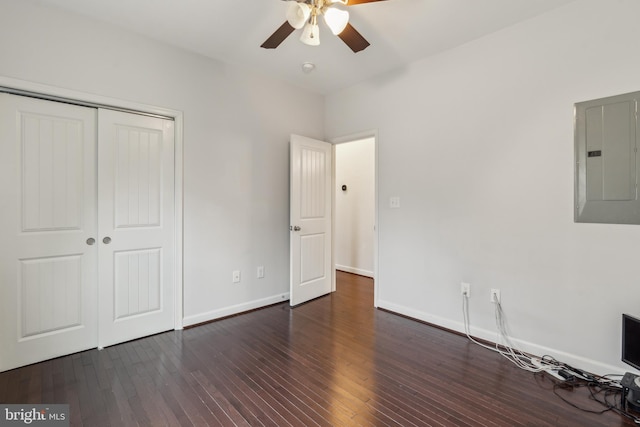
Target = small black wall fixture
(344,187)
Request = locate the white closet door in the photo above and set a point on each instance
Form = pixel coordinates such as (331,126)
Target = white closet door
(47,214)
(136,226)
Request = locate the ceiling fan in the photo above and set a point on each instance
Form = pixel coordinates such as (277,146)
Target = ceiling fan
(304,13)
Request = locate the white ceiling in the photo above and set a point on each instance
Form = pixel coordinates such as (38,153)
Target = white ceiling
(400,31)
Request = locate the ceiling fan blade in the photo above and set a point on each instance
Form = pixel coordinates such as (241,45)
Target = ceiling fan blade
(354,2)
(278,36)
(353,39)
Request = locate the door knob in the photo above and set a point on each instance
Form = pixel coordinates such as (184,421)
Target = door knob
(91,241)
(296,228)
(106,240)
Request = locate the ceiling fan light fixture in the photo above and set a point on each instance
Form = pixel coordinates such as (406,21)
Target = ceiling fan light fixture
(311,34)
(298,14)
(303,14)
(336,19)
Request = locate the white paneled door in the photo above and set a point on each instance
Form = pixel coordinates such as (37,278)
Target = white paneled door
(48,265)
(310,216)
(136,226)
(86,228)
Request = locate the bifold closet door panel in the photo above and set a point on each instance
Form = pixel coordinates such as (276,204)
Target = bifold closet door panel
(48,230)
(136,226)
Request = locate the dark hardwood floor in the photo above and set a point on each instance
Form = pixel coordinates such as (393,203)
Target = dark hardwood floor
(333,361)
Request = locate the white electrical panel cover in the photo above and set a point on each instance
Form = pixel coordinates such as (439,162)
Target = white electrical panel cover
(607,164)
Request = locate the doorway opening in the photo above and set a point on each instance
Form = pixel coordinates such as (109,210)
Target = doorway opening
(355,236)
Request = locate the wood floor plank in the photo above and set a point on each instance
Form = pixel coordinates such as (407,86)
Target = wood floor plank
(334,361)
(274,358)
(208,399)
(263,397)
(119,409)
(221,400)
(239,395)
(267,371)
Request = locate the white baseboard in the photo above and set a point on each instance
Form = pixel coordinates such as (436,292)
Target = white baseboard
(580,362)
(354,270)
(234,309)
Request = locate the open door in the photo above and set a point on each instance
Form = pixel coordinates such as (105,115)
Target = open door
(310,216)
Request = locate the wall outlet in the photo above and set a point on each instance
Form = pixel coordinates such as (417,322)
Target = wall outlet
(394,202)
(465,289)
(236,276)
(495,295)
(260,272)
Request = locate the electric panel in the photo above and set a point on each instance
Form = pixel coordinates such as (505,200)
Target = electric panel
(607,164)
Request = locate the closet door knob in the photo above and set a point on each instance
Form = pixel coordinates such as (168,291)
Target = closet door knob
(91,241)
(106,240)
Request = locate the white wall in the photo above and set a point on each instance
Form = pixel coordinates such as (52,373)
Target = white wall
(236,133)
(354,208)
(478,143)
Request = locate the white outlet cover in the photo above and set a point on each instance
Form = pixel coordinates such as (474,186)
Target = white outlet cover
(394,202)
(465,288)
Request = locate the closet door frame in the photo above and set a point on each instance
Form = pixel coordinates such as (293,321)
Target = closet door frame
(37,90)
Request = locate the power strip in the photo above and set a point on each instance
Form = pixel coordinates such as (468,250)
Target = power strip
(553,372)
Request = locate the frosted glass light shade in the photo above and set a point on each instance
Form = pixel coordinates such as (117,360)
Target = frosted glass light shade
(336,19)
(297,14)
(311,35)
